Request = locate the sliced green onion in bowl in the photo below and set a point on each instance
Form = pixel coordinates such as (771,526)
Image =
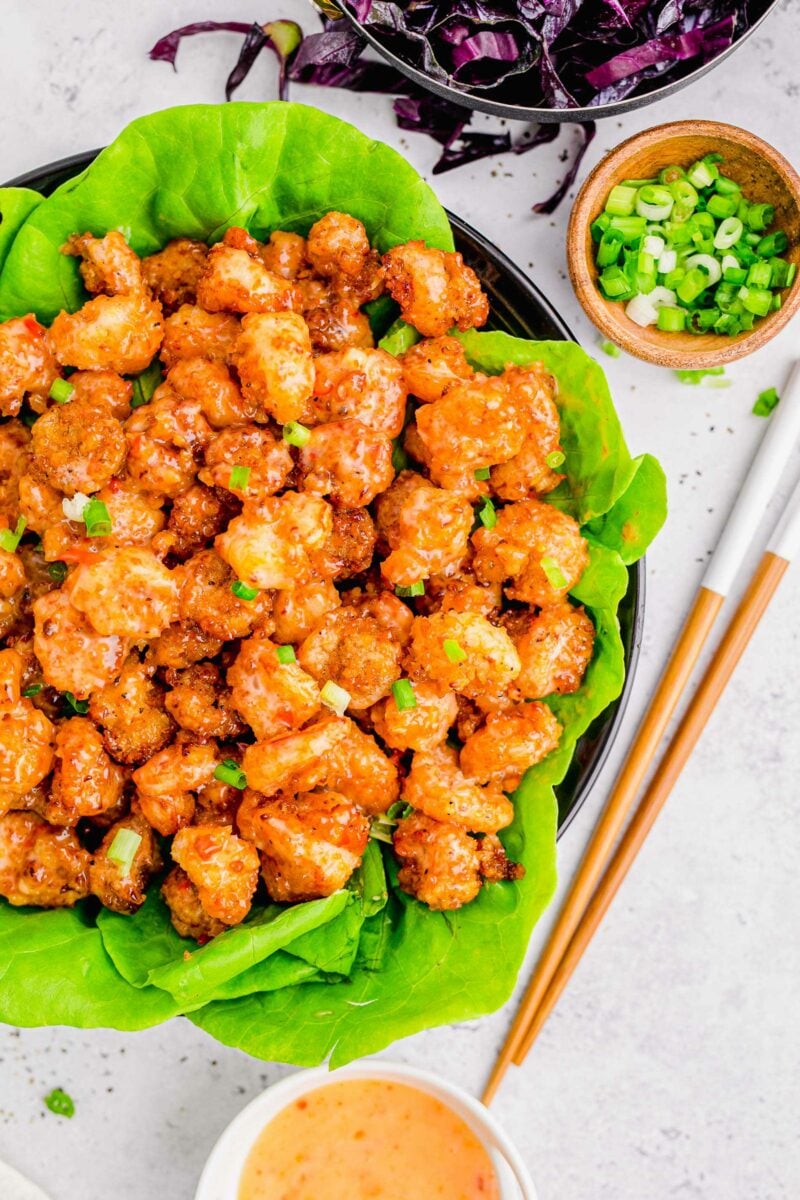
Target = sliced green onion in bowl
(123,848)
(654,202)
(10,538)
(286,654)
(453,650)
(243,590)
(555,576)
(728,233)
(231,773)
(621,201)
(335,698)
(296,434)
(61,391)
(404,696)
(709,265)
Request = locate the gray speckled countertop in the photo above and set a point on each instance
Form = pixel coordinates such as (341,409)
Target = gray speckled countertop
(671,1066)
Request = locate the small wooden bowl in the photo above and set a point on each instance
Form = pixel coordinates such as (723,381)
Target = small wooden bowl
(765,177)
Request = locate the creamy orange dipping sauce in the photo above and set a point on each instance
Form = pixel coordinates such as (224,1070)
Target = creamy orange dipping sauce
(368,1139)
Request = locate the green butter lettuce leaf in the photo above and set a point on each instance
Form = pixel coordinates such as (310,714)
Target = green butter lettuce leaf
(195,171)
(16,205)
(637,515)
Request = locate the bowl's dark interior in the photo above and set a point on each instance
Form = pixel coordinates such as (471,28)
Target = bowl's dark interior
(518,308)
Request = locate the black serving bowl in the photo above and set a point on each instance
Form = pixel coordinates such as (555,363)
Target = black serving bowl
(518,308)
(508,98)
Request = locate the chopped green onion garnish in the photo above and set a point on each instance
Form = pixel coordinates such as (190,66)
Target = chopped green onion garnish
(400,459)
(487,514)
(415,589)
(611,349)
(286,654)
(61,390)
(240,477)
(231,773)
(10,539)
(145,384)
(123,848)
(33,690)
(243,590)
(453,650)
(482,473)
(764,405)
(77,706)
(555,576)
(404,697)
(695,377)
(555,459)
(96,518)
(57,571)
(60,1103)
(335,698)
(296,434)
(381,831)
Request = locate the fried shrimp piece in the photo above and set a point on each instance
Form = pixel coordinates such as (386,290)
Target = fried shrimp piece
(357,766)
(108,266)
(300,610)
(501,751)
(426,528)
(165,783)
(166,439)
(554,648)
(40,504)
(27,364)
(495,865)
(461,593)
(78,447)
(236,280)
(528,473)
(421,728)
(338,248)
(481,664)
(211,386)
(365,384)
(187,914)
(435,290)
(222,867)
(13,580)
(201,703)
(191,332)
(311,843)
(346,461)
(131,714)
(437,787)
(206,599)
(252,446)
(39,864)
(196,517)
(539,549)
(119,333)
(271,545)
(350,548)
(73,655)
(14,463)
(105,390)
(86,781)
(272,696)
(275,365)
(295,762)
(432,366)
(127,592)
(136,516)
(356,651)
(182,644)
(285,254)
(337,325)
(439,862)
(120,888)
(26,736)
(172,275)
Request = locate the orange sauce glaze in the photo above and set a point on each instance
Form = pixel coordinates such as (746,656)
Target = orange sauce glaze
(368,1139)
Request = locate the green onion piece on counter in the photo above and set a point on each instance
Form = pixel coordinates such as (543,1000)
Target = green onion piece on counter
(60,1103)
(404,697)
(611,349)
(335,698)
(57,571)
(96,518)
(695,377)
(481,474)
(243,590)
(77,706)
(555,576)
(286,654)
(296,434)
(61,390)
(123,848)
(453,650)
(240,477)
(765,403)
(231,773)
(555,459)
(145,384)
(33,690)
(487,514)
(621,201)
(414,589)
(10,538)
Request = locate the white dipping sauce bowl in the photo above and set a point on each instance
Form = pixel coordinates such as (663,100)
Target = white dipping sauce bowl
(222,1173)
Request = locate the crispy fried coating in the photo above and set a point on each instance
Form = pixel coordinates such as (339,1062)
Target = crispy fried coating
(439,862)
(131,713)
(172,275)
(434,288)
(436,786)
(119,888)
(27,364)
(41,864)
(555,648)
(222,867)
(510,742)
(186,911)
(536,548)
(86,781)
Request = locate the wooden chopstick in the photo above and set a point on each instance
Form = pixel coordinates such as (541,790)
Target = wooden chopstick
(760,591)
(770,460)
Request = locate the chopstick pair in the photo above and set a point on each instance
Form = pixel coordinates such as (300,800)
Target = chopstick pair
(600,875)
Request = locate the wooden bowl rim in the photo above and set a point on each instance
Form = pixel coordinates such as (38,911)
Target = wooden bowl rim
(597,307)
